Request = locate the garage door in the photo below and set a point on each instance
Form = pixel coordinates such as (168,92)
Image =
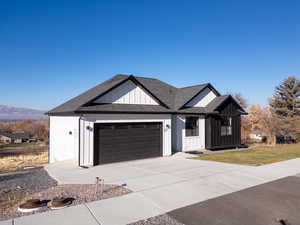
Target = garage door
(116,142)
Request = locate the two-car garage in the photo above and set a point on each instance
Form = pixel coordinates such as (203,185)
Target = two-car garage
(106,138)
(116,142)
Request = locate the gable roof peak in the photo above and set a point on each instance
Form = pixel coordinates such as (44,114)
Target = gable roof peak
(169,97)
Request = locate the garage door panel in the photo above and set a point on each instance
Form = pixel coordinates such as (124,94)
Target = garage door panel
(116,137)
(128,132)
(127,141)
(136,149)
(125,148)
(129,145)
(133,153)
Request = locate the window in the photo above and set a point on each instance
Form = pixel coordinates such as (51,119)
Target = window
(226,126)
(191,126)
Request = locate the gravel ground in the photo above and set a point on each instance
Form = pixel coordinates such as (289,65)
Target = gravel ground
(164,219)
(37,184)
(31,180)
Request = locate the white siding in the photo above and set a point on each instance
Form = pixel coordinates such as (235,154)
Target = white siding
(195,142)
(65,146)
(63,138)
(127,93)
(86,143)
(202,99)
(182,143)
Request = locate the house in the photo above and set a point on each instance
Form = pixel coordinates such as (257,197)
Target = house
(256,135)
(129,117)
(14,137)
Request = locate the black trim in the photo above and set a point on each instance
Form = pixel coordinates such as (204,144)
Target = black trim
(138,83)
(62,114)
(126,112)
(135,81)
(105,92)
(242,111)
(208,85)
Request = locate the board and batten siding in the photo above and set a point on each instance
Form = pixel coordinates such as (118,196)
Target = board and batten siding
(63,139)
(182,143)
(87,128)
(214,139)
(202,99)
(127,93)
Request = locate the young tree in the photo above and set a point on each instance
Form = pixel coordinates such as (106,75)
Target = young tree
(270,124)
(286,99)
(255,113)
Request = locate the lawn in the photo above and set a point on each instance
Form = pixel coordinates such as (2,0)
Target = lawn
(257,156)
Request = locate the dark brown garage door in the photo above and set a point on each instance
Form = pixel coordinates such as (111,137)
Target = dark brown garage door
(116,142)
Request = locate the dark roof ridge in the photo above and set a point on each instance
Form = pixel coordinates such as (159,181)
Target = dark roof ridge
(204,84)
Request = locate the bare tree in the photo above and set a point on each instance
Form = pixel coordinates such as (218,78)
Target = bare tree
(270,124)
(241,100)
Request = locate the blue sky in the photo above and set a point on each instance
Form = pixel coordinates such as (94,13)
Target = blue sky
(51,51)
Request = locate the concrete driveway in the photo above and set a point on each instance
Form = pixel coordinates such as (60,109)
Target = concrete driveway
(159,185)
(143,175)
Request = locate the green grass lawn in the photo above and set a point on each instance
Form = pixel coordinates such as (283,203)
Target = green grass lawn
(256,156)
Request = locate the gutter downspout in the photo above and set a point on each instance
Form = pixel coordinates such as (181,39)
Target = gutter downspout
(79,138)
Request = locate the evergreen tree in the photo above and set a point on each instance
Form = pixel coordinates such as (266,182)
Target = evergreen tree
(286,100)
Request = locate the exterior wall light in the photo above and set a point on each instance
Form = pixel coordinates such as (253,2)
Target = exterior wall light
(89,128)
(167,127)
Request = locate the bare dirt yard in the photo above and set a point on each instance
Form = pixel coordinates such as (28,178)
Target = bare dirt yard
(18,156)
(22,177)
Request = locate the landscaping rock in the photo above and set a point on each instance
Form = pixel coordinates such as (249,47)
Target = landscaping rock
(37,184)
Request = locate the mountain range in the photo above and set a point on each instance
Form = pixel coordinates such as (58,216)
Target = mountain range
(16,113)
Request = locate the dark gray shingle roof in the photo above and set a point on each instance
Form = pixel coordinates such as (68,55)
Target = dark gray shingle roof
(185,94)
(165,92)
(218,101)
(75,103)
(172,99)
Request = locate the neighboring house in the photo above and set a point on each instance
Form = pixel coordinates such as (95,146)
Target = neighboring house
(129,117)
(256,135)
(14,137)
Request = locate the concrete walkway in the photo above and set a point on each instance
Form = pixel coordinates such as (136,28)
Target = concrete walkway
(159,186)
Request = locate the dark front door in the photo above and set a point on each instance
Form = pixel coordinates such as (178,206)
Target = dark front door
(116,142)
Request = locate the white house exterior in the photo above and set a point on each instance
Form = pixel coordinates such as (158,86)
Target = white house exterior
(130,117)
